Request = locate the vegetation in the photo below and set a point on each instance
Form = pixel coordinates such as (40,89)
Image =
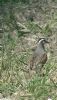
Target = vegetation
(22,22)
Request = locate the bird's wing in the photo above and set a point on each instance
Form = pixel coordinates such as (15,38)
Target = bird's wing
(38,60)
(43,58)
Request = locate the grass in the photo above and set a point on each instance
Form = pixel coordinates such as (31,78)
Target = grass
(44,87)
(12,59)
(12,77)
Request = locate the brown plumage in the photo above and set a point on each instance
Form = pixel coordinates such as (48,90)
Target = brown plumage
(39,57)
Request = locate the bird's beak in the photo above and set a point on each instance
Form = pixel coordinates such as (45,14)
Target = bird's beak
(47,41)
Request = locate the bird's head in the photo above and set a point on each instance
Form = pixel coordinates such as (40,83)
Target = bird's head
(42,41)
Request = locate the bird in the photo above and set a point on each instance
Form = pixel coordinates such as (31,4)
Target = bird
(39,56)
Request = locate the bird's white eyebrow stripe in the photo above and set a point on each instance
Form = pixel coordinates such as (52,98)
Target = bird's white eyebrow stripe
(40,40)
